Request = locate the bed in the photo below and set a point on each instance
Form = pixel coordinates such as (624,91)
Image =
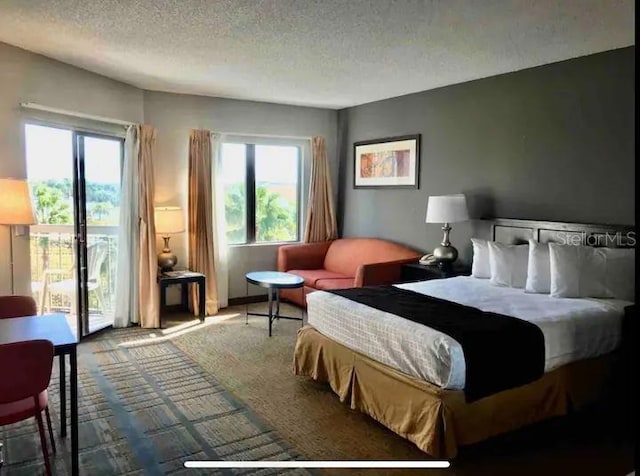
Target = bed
(411,378)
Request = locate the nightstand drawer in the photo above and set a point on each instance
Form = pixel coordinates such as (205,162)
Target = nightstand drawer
(422,272)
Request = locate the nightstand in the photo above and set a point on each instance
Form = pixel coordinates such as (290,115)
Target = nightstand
(623,386)
(423,272)
(183,278)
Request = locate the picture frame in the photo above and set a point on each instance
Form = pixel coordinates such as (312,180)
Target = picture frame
(392,162)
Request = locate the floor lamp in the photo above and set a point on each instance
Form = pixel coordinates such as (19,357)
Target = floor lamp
(15,209)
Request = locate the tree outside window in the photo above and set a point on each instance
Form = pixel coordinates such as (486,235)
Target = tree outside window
(272,215)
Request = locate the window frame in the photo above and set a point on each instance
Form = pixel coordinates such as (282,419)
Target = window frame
(250,189)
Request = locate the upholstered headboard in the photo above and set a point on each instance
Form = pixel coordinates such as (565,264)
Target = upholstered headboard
(514,231)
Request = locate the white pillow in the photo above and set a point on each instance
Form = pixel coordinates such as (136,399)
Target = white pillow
(538,270)
(620,272)
(577,271)
(508,264)
(480,267)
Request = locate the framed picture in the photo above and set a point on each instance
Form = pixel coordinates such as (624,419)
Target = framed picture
(387,163)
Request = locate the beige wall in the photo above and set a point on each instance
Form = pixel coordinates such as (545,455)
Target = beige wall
(27,77)
(174,115)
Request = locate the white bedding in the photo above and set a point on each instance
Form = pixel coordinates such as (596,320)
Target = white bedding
(573,329)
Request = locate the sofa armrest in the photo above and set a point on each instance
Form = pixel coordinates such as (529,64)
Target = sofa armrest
(380,273)
(304,256)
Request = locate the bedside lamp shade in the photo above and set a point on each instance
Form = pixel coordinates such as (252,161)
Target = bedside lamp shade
(169,220)
(15,203)
(447,209)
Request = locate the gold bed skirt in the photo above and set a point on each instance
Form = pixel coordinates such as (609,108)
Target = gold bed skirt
(438,420)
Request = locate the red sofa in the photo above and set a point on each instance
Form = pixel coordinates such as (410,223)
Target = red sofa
(342,263)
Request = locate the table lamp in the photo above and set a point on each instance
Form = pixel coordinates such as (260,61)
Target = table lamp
(169,220)
(15,209)
(446,209)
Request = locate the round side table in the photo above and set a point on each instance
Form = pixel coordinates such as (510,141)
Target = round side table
(273,281)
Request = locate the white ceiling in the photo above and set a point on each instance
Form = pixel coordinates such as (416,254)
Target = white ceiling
(326,53)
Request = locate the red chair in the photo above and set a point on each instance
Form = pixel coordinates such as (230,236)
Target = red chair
(23,389)
(17,306)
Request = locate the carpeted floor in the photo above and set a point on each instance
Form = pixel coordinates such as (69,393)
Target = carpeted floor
(309,416)
(224,389)
(145,408)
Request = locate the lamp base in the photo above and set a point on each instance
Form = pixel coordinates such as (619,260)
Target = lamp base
(167,260)
(445,255)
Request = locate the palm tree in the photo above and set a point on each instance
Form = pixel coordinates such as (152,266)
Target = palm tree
(275,220)
(101,210)
(50,209)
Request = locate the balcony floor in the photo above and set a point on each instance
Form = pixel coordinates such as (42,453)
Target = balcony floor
(96,322)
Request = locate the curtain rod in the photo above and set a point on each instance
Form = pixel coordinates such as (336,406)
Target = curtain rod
(40,107)
(267,136)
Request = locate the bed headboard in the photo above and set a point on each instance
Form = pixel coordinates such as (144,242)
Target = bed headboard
(514,231)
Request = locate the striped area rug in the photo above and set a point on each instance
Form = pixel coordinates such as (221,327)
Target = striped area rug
(146,408)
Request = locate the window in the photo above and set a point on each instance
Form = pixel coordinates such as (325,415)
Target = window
(234,166)
(262,189)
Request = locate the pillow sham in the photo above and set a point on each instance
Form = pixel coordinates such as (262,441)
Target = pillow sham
(576,271)
(620,273)
(480,267)
(508,264)
(583,271)
(538,268)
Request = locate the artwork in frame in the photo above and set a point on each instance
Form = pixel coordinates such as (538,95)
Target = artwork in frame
(387,163)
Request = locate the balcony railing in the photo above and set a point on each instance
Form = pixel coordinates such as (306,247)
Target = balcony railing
(53,260)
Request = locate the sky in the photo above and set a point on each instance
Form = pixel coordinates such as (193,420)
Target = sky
(50,156)
(274,163)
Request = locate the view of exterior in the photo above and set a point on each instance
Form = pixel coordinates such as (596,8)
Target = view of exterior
(276,185)
(49,154)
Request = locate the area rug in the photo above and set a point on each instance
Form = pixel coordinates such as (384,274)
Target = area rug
(146,408)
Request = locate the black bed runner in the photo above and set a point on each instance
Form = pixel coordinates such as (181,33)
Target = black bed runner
(500,351)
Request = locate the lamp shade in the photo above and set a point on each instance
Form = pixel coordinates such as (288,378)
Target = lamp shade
(15,203)
(447,209)
(169,220)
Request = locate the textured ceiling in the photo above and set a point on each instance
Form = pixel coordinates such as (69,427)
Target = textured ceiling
(326,53)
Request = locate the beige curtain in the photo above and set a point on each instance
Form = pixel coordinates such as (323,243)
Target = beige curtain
(148,260)
(321,217)
(201,237)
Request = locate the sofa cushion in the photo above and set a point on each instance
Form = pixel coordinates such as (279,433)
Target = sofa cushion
(311,276)
(340,283)
(347,254)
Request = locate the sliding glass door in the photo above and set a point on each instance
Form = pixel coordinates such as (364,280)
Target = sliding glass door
(75,183)
(98,164)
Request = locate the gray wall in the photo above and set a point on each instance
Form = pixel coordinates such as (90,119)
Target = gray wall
(174,115)
(554,142)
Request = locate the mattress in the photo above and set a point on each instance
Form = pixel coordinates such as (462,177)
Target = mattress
(573,329)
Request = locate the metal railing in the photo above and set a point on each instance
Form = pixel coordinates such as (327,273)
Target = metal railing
(53,253)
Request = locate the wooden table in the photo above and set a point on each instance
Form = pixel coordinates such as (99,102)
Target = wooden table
(54,328)
(184,278)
